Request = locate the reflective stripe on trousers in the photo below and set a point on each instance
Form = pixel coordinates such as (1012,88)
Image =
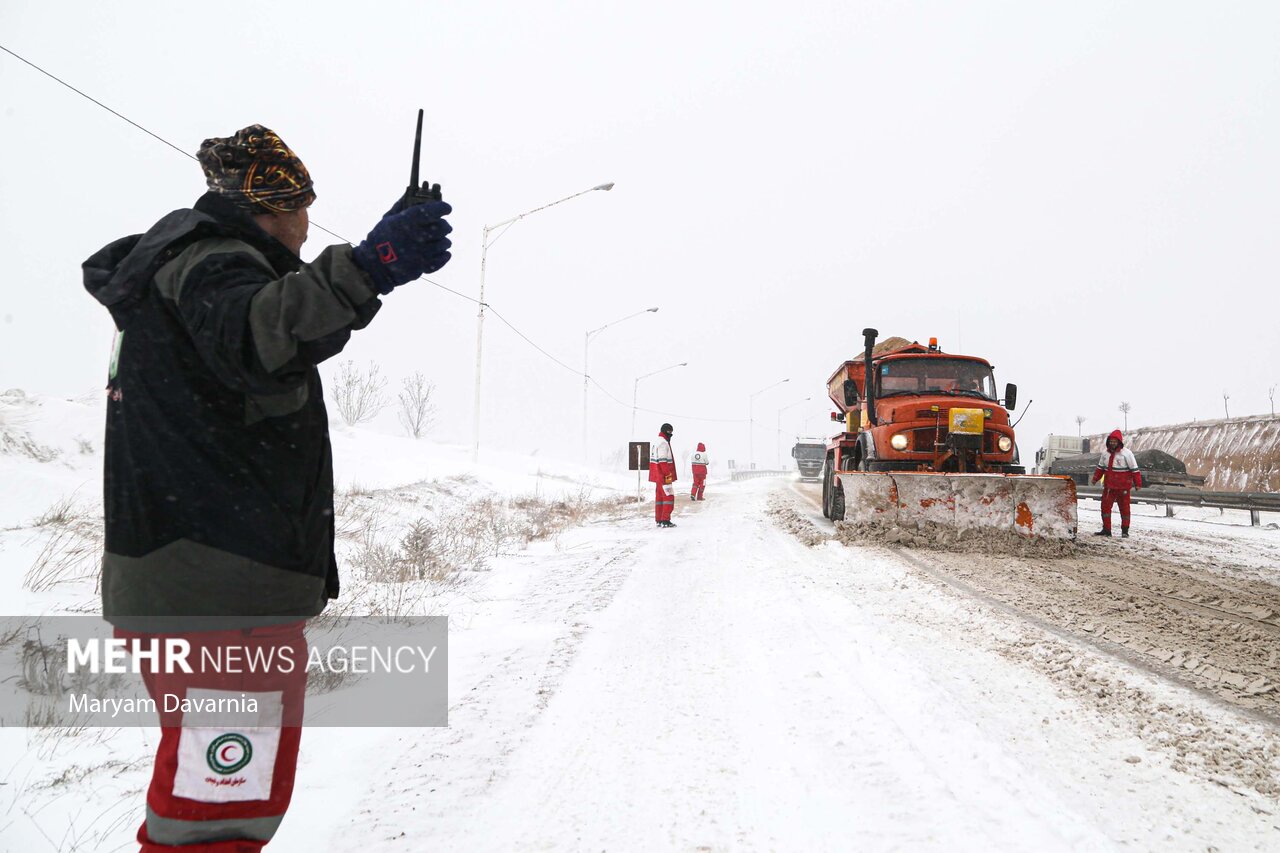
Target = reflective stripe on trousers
(210,834)
(663,503)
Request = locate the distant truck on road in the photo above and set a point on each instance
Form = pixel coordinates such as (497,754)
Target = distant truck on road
(810,455)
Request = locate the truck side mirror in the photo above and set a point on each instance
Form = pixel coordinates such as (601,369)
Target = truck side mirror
(850,393)
(1011,396)
(793,453)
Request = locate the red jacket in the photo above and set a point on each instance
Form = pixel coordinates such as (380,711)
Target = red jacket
(1118,469)
(662,464)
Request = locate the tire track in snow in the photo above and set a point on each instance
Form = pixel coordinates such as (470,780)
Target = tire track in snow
(1235,755)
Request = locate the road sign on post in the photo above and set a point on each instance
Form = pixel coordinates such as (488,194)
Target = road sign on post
(638,456)
(638,461)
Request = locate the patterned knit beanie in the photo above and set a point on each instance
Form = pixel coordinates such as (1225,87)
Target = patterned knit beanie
(256,171)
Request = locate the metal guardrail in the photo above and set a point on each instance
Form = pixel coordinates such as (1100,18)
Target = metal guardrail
(1255,503)
(751,475)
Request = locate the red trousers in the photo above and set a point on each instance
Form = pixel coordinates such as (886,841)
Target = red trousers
(699,482)
(1115,496)
(222,781)
(663,503)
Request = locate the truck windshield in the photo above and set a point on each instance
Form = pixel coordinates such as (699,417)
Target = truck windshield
(811,451)
(929,375)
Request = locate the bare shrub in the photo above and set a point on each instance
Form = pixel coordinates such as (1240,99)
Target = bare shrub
(540,518)
(417,409)
(325,680)
(358,393)
(394,579)
(62,511)
(45,671)
(42,668)
(351,516)
(440,553)
(72,550)
(430,550)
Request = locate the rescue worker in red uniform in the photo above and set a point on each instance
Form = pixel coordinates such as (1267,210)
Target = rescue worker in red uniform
(662,473)
(700,460)
(1118,471)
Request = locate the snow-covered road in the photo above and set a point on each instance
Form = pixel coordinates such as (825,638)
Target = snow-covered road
(742,682)
(721,686)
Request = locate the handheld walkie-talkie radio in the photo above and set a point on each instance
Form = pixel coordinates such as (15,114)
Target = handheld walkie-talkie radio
(426,191)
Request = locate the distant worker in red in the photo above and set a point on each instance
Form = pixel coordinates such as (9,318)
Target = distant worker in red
(1118,471)
(662,473)
(701,459)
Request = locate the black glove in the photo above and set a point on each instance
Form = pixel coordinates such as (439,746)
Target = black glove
(405,245)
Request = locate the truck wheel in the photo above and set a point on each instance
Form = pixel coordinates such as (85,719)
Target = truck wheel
(837,504)
(826,489)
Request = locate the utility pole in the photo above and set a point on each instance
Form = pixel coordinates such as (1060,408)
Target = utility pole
(1125,407)
(1080,419)
(1225,398)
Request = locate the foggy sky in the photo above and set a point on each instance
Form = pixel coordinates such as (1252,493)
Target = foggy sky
(1083,193)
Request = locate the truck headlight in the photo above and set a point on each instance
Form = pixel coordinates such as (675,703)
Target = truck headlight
(899,441)
(1004,443)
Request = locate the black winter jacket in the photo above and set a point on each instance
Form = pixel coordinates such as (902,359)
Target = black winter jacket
(219,474)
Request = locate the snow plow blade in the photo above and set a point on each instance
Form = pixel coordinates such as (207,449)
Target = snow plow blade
(1031,505)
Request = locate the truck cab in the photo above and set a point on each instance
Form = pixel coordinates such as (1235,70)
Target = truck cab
(810,454)
(907,406)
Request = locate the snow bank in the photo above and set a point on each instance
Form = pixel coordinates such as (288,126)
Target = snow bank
(50,451)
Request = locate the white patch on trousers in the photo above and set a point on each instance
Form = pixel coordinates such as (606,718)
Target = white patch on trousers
(222,761)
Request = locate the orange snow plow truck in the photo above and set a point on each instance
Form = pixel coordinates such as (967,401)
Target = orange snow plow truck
(926,440)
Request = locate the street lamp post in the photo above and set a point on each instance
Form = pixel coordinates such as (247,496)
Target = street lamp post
(635,391)
(778,428)
(586,376)
(484,254)
(751,420)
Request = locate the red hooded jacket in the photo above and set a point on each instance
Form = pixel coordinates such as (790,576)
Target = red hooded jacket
(1119,467)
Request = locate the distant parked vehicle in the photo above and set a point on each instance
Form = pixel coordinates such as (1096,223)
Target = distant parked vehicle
(1056,447)
(1158,469)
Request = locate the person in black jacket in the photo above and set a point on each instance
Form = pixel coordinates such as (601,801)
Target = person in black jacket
(218,482)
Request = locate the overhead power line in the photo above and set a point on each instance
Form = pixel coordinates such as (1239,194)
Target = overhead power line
(493,310)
